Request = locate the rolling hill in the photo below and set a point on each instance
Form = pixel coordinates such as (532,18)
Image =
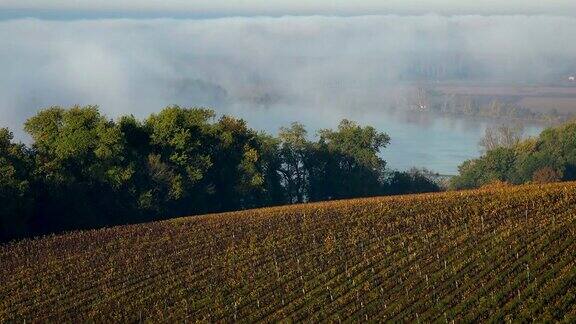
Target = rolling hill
(506,253)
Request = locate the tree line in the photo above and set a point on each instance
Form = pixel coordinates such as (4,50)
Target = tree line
(477,106)
(83,170)
(550,157)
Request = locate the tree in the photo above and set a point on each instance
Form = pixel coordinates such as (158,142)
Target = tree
(506,136)
(141,194)
(270,165)
(411,181)
(496,165)
(235,177)
(84,170)
(294,148)
(15,195)
(198,165)
(354,163)
(181,140)
(79,165)
(77,144)
(546,175)
(549,157)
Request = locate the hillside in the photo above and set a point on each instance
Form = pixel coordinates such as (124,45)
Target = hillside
(499,254)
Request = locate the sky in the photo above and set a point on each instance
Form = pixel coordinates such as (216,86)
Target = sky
(196,8)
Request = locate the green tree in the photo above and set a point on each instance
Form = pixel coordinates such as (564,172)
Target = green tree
(411,181)
(550,156)
(496,165)
(84,170)
(181,141)
(294,148)
(80,166)
(150,176)
(15,195)
(78,144)
(235,179)
(355,165)
(270,164)
(198,165)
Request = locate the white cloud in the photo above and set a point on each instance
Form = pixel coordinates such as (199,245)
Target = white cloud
(281,7)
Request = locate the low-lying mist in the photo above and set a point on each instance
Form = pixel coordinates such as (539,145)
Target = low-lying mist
(313,69)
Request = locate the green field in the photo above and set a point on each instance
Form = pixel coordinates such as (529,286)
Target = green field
(499,254)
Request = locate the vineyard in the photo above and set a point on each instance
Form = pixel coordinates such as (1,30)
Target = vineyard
(491,254)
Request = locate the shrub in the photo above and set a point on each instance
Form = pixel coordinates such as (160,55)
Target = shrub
(546,175)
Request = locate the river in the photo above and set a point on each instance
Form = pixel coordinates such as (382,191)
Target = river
(418,139)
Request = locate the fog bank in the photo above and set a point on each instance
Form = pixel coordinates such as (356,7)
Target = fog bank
(325,67)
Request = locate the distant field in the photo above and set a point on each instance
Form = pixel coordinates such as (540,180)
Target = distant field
(505,90)
(536,98)
(544,104)
(495,254)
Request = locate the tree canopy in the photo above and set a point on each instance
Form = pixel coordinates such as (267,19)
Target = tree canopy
(549,157)
(15,193)
(84,170)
